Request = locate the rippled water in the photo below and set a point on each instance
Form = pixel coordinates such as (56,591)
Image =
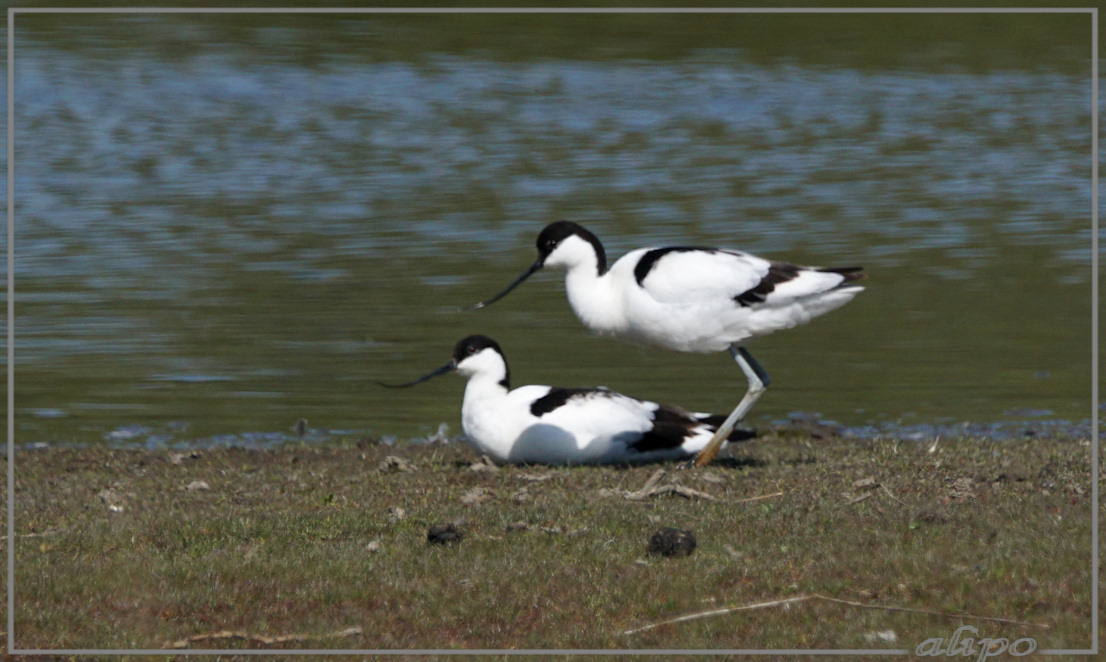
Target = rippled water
(217,238)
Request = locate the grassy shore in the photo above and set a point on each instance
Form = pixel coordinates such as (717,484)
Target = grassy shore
(326,547)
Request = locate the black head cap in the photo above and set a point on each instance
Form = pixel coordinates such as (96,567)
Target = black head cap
(555,233)
(475,344)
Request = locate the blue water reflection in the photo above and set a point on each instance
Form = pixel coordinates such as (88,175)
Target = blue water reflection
(198,221)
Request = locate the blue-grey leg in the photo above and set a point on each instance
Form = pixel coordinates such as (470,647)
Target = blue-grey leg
(758,381)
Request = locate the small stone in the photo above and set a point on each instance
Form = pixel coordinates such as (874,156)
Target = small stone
(962,490)
(112,499)
(367,441)
(395,463)
(881,637)
(672,542)
(439,437)
(931,517)
(484,465)
(534,478)
(197,485)
(443,534)
(109,496)
(395,513)
(373,547)
(176,458)
(477,495)
(711,477)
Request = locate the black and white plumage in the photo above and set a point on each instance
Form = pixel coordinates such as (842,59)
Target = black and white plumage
(548,425)
(689,299)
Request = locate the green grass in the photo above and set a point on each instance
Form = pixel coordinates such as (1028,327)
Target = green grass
(277,546)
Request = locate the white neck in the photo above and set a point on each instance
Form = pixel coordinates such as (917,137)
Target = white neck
(593,298)
(484,394)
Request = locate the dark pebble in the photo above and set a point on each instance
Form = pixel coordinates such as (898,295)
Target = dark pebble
(672,542)
(443,534)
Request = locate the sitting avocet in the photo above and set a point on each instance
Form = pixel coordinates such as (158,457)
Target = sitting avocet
(689,299)
(547,425)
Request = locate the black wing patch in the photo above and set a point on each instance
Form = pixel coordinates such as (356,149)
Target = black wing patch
(557,397)
(649,260)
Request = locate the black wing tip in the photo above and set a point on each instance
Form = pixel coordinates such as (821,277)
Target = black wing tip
(850,273)
(781,272)
(736,434)
(741,434)
(672,426)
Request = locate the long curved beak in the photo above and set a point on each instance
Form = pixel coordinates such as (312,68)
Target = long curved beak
(518,281)
(449,367)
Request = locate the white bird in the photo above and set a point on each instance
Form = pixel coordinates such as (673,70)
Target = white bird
(547,425)
(689,299)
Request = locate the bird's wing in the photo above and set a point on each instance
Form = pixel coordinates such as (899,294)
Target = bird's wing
(594,412)
(691,275)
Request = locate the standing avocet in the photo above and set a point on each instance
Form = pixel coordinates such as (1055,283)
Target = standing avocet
(689,299)
(547,425)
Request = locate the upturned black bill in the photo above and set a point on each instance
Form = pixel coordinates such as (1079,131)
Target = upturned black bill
(449,367)
(529,272)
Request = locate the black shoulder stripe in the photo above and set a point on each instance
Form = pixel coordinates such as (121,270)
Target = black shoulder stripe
(649,260)
(557,397)
(778,272)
